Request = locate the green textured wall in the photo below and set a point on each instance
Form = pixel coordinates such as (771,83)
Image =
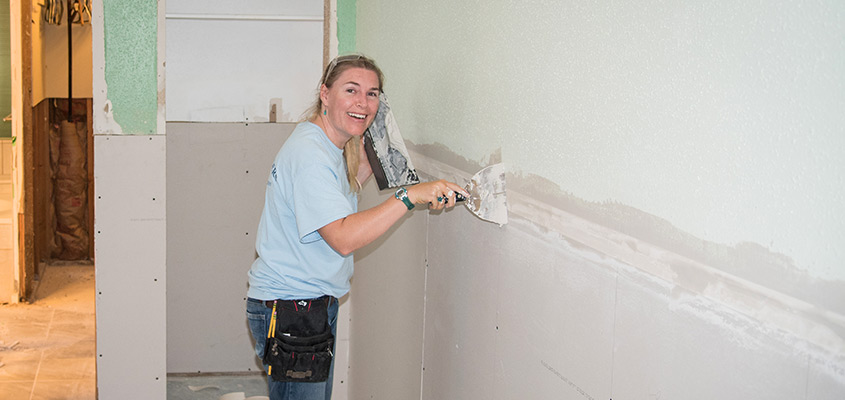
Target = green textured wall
(346,26)
(131,30)
(723,119)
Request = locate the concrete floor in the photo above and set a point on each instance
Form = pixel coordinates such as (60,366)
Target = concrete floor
(48,347)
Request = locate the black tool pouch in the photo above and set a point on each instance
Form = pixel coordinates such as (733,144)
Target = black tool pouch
(300,347)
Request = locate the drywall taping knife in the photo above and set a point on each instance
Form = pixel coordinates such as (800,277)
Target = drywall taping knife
(487,194)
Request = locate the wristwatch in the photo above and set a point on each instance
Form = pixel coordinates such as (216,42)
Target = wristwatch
(402,194)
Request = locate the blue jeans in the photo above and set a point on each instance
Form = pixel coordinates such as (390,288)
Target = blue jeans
(259,316)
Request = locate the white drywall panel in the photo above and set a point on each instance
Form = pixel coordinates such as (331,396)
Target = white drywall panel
(386,328)
(130,249)
(235,70)
(513,313)
(216,178)
(671,343)
(524,312)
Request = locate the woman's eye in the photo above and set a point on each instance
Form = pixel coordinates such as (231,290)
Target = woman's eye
(350,90)
(372,94)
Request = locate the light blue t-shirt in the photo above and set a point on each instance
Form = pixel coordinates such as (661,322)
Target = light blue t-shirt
(306,190)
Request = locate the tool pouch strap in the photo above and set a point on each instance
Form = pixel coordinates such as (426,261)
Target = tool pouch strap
(301,347)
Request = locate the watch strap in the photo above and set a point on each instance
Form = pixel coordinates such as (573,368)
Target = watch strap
(402,195)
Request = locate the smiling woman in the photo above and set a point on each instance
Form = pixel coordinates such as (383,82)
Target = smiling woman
(310,226)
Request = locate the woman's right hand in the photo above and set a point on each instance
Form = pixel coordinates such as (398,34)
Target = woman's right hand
(430,192)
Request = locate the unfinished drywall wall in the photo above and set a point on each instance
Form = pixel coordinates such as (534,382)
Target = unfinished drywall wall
(255,62)
(216,178)
(674,187)
(130,198)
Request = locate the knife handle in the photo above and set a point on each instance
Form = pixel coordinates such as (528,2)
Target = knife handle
(458,198)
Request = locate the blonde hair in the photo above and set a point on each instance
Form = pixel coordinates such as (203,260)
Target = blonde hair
(351,150)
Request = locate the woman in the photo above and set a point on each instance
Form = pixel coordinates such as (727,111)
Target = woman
(311,225)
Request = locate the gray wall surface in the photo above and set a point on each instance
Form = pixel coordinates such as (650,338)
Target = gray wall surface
(131,208)
(216,177)
(387,307)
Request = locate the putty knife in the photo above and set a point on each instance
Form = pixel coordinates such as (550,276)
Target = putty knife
(487,194)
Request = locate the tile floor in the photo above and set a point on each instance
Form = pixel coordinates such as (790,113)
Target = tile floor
(48,347)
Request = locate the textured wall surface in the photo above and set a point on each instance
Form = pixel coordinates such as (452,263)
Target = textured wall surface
(674,187)
(131,67)
(722,118)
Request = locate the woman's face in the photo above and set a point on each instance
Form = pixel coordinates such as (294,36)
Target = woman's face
(351,104)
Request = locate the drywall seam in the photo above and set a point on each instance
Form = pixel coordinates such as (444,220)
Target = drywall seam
(425,306)
(238,17)
(819,327)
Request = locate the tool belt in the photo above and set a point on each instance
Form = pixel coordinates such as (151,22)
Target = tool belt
(300,341)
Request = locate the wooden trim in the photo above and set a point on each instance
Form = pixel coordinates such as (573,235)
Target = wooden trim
(90,166)
(27,222)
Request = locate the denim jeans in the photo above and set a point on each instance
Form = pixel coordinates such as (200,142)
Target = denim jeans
(259,316)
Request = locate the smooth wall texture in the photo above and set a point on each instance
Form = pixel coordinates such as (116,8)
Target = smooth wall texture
(243,63)
(675,193)
(50,47)
(216,178)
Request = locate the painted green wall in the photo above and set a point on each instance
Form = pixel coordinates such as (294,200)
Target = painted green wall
(722,119)
(131,29)
(346,26)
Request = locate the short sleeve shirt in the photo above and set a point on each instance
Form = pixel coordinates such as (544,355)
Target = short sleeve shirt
(306,189)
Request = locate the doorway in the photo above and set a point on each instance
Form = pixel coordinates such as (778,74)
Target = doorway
(51,136)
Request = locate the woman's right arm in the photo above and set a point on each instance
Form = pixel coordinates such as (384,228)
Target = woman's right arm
(357,230)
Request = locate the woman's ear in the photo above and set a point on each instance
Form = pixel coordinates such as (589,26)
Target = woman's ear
(324,94)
